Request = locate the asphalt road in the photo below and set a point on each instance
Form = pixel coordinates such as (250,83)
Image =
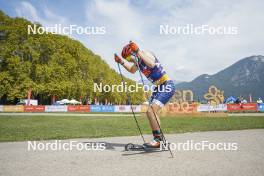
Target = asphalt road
(248,159)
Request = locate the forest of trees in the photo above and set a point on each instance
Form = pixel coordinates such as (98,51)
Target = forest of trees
(51,65)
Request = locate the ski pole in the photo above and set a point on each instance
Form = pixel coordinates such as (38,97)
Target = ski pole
(129,102)
(163,137)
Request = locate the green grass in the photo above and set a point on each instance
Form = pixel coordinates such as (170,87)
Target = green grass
(14,128)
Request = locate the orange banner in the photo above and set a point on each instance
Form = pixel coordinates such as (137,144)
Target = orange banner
(242,107)
(78,108)
(34,108)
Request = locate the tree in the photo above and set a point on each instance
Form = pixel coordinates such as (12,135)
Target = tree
(51,65)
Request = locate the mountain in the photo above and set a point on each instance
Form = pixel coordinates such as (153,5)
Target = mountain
(240,79)
(52,65)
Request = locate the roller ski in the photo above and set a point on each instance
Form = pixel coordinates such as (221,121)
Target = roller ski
(150,146)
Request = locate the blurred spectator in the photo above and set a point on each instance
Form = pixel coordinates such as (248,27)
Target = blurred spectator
(259,100)
(244,101)
(238,101)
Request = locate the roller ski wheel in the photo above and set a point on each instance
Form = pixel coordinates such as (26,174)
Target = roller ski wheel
(133,147)
(129,147)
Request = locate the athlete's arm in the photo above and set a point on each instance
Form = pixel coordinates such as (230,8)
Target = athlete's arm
(147,57)
(129,68)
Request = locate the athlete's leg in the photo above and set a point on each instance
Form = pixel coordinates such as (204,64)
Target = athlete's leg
(158,100)
(153,117)
(152,114)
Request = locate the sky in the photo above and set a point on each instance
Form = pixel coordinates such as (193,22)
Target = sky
(184,56)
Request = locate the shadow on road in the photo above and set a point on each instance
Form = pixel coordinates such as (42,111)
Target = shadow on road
(117,146)
(108,145)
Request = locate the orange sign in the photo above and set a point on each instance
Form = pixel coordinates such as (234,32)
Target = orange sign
(79,108)
(242,107)
(34,108)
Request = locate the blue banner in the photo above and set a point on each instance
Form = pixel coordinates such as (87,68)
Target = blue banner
(96,108)
(261,107)
(108,108)
(102,108)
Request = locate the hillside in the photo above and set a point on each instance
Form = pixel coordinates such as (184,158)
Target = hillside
(51,65)
(240,79)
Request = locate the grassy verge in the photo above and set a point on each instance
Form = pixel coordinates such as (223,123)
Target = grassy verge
(39,127)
